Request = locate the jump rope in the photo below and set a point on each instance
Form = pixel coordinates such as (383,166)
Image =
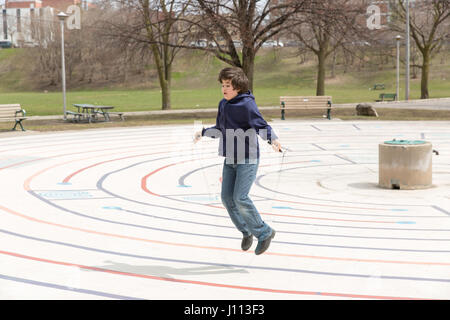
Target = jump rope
(282,150)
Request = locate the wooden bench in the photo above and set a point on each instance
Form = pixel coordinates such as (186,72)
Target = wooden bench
(305,102)
(10,112)
(378,86)
(387,97)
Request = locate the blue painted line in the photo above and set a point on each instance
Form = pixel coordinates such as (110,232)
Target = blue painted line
(406,222)
(64,183)
(184,186)
(112,208)
(314,161)
(201,198)
(65,194)
(279,207)
(184,177)
(60,287)
(399,209)
(221,264)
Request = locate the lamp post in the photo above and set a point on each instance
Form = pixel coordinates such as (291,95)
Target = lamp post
(62,18)
(407,53)
(398,38)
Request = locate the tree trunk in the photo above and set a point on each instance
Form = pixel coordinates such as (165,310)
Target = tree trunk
(248,65)
(425,73)
(165,94)
(320,89)
(333,66)
(164,72)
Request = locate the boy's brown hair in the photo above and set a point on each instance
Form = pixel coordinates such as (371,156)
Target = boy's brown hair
(239,80)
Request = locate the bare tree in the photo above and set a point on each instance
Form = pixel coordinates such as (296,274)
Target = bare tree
(153,25)
(231,24)
(429,25)
(324,28)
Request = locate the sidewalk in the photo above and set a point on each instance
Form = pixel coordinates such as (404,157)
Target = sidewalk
(430,104)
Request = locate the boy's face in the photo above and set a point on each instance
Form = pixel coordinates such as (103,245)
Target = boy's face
(228,91)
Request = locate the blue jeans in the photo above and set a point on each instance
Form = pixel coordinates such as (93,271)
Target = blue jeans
(237,179)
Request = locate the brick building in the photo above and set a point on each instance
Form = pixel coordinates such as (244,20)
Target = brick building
(60,4)
(57,4)
(18,4)
(18,18)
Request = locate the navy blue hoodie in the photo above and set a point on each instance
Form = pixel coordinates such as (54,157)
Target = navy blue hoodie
(237,125)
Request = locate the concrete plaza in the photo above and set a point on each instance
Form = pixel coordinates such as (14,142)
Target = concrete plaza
(135,213)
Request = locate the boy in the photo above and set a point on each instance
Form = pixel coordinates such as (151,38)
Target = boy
(238,121)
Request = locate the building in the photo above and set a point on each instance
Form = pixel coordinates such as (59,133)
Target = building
(17,25)
(63,4)
(19,4)
(56,4)
(19,18)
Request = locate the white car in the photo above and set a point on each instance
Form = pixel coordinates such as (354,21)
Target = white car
(202,43)
(237,43)
(272,44)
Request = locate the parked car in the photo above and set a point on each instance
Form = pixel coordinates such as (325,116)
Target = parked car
(293,43)
(272,44)
(5,44)
(202,43)
(361,43)
(237,43)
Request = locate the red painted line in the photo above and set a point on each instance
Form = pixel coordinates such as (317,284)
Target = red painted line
(210,284)
(70,176)
(159,242)
(27,187)
(147,190)
(67,179)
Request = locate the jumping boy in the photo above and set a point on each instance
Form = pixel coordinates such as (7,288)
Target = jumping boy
(237,125)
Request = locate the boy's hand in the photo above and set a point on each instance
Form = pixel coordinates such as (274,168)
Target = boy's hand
(197,136)
(276,145)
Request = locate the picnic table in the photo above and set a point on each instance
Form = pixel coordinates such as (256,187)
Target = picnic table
(90,112)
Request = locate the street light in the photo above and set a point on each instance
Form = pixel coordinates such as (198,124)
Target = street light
(407,53)
(62,18)
(398,38)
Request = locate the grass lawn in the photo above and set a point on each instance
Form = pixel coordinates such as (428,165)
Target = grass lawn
(195,85)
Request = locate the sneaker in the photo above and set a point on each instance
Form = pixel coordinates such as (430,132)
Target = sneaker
(247,242)
(264,245)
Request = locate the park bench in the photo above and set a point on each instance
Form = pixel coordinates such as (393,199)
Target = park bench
(305,102)
(107,115)
(76,115)
(378,86)
(11,112)
(386,97)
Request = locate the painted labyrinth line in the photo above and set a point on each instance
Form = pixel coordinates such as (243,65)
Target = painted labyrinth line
(215,264)
(99,185)
(201,283)
(147,192)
